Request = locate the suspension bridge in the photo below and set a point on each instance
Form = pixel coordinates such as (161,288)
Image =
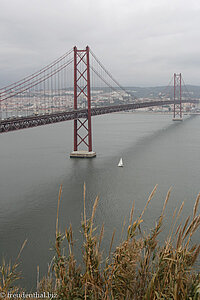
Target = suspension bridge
(76,87)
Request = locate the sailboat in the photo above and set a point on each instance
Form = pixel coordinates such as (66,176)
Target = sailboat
(120,164)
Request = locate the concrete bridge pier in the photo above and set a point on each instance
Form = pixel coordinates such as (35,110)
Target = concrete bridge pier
(82,154)
(177,119)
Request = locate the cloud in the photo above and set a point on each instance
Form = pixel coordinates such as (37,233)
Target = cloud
(140,42)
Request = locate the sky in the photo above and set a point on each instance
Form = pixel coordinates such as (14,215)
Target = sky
(140,42)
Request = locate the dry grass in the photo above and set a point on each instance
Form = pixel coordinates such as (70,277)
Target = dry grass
(9,275)
(138,268)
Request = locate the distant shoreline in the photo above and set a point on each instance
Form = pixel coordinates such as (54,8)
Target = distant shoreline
(146,112)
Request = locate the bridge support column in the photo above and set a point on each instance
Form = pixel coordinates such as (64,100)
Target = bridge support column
(177,98)
(82,126)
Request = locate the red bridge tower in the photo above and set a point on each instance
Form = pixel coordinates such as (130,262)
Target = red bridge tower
(82,127)
(177,98)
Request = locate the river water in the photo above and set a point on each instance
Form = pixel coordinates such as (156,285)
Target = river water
(35,162)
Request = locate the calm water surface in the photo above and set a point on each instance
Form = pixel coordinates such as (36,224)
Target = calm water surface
(35,162)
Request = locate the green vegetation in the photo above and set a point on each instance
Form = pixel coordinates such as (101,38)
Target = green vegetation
(138,268)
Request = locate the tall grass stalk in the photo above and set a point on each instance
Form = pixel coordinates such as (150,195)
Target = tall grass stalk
(9,274)
(138,268)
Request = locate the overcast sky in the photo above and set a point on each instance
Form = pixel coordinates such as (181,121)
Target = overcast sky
(141,42)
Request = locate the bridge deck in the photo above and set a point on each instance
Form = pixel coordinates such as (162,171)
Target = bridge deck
(39,120)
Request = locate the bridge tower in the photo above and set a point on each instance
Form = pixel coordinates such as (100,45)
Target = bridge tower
(82,126)
(177,98)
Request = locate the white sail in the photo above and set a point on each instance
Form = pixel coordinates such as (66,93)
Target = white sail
(120,164)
